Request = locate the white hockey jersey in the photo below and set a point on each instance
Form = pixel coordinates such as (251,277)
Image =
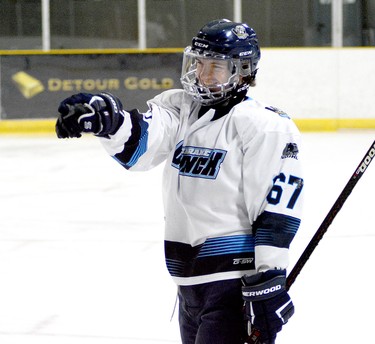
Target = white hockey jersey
(232,184)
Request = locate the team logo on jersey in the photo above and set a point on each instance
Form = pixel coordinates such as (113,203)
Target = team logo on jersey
(290,151)
(240,32)
(198,162)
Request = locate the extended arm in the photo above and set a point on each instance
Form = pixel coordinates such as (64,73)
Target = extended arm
(138,141)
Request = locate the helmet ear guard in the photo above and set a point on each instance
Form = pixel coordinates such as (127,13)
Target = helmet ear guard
(222,40)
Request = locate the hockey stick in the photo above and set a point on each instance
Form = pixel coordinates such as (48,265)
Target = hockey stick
(358,173)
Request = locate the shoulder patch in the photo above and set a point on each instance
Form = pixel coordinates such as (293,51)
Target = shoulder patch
(278,111)
(290,151)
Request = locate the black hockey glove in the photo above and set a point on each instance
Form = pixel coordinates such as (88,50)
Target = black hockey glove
(267,304)
(100,114)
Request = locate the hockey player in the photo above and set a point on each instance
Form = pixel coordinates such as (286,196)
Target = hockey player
(232,186)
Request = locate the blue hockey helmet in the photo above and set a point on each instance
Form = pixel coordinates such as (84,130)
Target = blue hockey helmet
(223,41)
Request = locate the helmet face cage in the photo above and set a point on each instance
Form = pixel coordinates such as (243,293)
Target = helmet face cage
(221,40)
(208,94)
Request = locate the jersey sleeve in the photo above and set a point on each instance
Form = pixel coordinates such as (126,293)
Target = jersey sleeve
(145,139)
(273,189)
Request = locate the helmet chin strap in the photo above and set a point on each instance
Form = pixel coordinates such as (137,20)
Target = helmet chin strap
(238,94)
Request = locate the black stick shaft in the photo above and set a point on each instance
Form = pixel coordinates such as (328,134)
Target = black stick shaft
(360,170)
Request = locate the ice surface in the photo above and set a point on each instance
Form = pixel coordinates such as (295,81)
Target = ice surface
(81,247)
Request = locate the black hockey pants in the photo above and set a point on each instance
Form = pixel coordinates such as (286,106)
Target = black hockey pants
(211,313)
